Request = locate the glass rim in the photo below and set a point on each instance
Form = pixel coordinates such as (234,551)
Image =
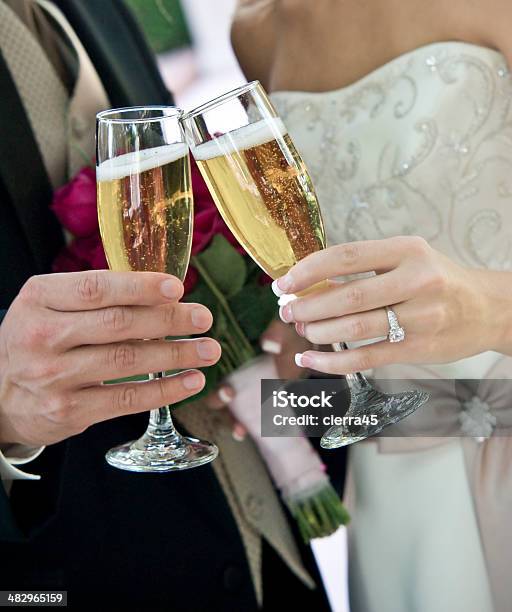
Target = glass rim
(168,112)
(207,106)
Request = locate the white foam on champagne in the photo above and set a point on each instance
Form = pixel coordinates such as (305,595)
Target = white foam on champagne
(243,138)
(139,161)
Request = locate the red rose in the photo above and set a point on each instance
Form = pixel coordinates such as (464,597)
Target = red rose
(85,253)
(75,204)
(190,279)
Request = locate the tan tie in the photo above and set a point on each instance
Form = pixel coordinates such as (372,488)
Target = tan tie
(88,98)
(43,95)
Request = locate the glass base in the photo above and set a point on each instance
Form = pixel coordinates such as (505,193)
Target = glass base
(173,454)
(367,402)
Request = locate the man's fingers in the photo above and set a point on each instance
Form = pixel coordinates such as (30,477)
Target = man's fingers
(109,401)
(118,323)
(345,259)
(92,364)
(76,291)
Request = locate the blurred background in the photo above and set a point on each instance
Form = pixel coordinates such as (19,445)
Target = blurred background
(191,40)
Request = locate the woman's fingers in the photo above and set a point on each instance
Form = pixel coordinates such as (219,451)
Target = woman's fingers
(364,326)
(239,431)
(344,259)
(91,364)
(220,398)
(415,316)
(105,402)
(273,338)
(347,298)
(355,360)
(118,323)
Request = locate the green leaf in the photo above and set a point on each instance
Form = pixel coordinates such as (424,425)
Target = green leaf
(220,324)
(201,294)
(224,265)
(255,306)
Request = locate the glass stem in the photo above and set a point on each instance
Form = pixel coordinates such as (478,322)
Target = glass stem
(160,425)
(357,381)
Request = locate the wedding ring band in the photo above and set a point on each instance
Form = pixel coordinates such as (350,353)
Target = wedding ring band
(396,331)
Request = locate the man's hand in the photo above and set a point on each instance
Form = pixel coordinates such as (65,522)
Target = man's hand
(66,333)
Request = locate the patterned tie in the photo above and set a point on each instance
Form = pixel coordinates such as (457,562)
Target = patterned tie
(44,96)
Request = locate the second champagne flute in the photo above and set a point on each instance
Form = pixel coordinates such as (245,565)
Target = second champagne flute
(263,191)
(145,209)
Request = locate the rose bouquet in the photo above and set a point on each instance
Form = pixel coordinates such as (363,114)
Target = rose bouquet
(222,277)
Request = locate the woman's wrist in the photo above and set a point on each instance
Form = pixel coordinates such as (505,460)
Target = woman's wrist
(496,289)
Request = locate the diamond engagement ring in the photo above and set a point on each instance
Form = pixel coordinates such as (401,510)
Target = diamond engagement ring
(396,332)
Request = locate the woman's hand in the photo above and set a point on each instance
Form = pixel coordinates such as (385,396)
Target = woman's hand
(448,312)
(283,343)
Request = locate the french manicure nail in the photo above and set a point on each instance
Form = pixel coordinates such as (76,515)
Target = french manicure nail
(271,346)
(170,289)
(276,289)
(239,437)
(282,285)
(225,395)
(299,328)
(285,282)
(286,298)
(206,349)
(286,314)
(303,361)
(192,380)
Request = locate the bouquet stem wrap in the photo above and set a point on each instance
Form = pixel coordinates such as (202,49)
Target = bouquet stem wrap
(293,463)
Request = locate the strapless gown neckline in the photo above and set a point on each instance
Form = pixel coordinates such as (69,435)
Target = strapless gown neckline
(459,45)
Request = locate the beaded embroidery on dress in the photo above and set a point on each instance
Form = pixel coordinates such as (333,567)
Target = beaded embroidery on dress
(423,145)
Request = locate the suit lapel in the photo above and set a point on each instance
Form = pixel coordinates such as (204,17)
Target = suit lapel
(118,51)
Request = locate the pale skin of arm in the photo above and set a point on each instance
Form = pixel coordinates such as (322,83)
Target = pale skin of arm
(449,311)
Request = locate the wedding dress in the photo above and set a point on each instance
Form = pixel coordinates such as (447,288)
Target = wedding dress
(422,145)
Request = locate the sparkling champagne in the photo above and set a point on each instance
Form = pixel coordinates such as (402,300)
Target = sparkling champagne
(264,193)
(145,209)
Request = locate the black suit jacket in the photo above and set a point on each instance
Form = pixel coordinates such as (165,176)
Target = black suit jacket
(112,538)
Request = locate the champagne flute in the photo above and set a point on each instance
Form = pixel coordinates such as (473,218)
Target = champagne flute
(145,210)
(263,191)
